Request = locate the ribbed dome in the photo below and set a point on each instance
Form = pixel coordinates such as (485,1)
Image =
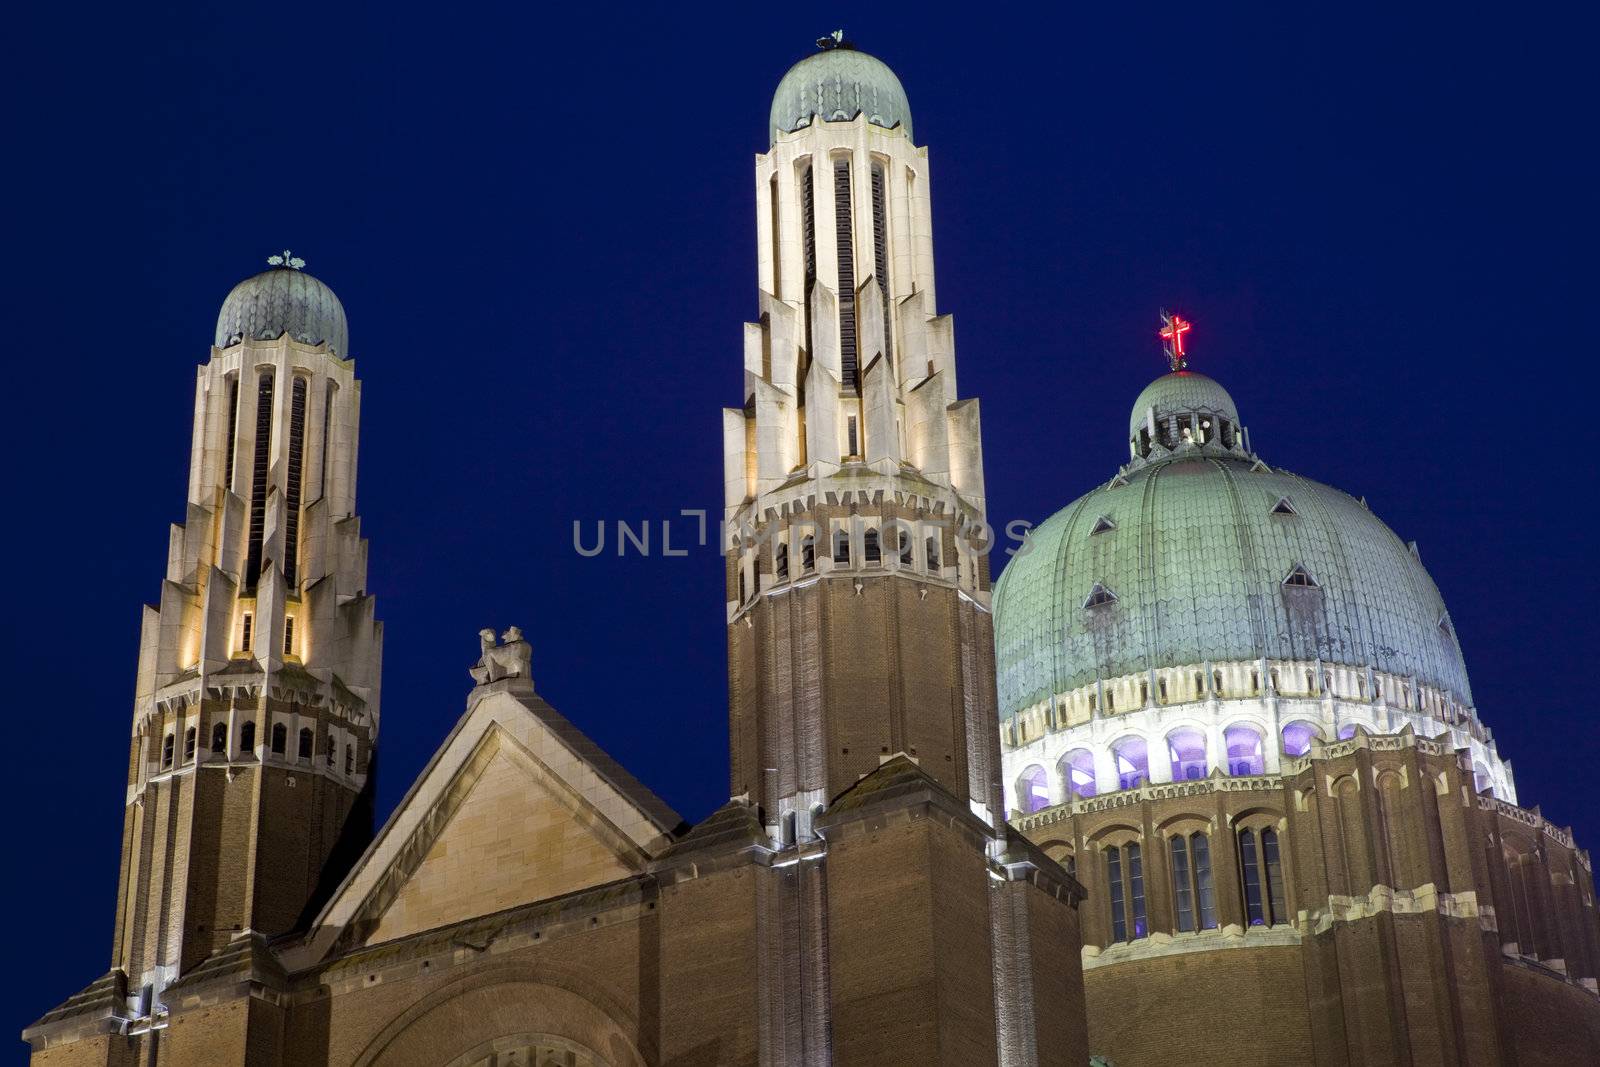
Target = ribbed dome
(1196,547)
(837,85)
(1179,393)
(279,301)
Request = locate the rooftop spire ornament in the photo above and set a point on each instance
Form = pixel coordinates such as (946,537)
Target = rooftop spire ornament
(831,41)
(286,259)
(1173,327)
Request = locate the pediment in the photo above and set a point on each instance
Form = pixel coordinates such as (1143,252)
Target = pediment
(517,806)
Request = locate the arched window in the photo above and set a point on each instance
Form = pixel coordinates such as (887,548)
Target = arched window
(1245,754)
(1161,690)
(167,744)
(780,561)
(1261,876)
(1347,731)
(808,553)
(219,737)
(1199,686)
(1297,737)
(1125,874)
(349,759)
(841,546)
(280,739)
(295,483)
(1133,762)
(1311,682)
(1255,682)
(1077,770)
(1194,895)
(247,739)
(933,554)
(1216,682)
(190,736)
(1187,749)
(305,743)
(870,551)
(1033,790)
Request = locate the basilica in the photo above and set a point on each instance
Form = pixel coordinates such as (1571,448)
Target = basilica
(1200,779)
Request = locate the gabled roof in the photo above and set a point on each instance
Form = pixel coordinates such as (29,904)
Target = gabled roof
(514,776)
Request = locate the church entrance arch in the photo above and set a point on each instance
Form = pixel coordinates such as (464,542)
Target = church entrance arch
(529,1050)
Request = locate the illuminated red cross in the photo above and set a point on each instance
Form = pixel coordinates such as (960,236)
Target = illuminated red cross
(1173,327)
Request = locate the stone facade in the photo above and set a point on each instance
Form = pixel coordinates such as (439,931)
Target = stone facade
(1404,918)
(859,899)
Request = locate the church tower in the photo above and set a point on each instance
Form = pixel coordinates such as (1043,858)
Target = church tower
(857,575)
(256,710)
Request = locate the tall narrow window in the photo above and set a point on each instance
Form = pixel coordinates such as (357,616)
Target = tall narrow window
(781,562)
(852,439)
(247,739)
(291,504)
(1205,893)
(933,555)
(349,759)
(841,546)
(1273,870)
(219,737)
(808,215)
(288,635)
(1182,885)
(1255,912)
(808,553)
(871,553)
(258,480)
(167,744)
(305,743)
(907,545)
(233,428)
(880,256)
(247,631)
(1136,890)
(190,736)
(327,439)
(1119,913)
(280,739)
(777,237)
(844,237)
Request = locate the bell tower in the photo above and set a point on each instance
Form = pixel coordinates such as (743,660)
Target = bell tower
(857,576)
(256,709)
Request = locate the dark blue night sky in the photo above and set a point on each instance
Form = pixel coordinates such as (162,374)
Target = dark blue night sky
(542,227)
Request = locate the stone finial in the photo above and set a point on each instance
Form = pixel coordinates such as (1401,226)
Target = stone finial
(513,659)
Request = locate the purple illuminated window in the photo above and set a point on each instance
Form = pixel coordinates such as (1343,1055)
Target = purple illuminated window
(1187,748)
(1347,731)
(1077,770)
(1133,762)
(1244,750)
(1033,790)
(1297,738)
(1261,878)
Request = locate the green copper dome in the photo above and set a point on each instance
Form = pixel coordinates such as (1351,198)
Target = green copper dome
(279,301)
(837,85)
(1201,553)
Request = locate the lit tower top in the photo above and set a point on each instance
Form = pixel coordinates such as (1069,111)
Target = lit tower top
(256,708)
(853,470)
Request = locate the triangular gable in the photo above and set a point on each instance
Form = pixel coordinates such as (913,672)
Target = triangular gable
(516,806)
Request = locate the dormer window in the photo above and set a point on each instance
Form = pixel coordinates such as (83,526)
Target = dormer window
(1299,577)
(1284,507)
(1102,525)
(1099,596)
